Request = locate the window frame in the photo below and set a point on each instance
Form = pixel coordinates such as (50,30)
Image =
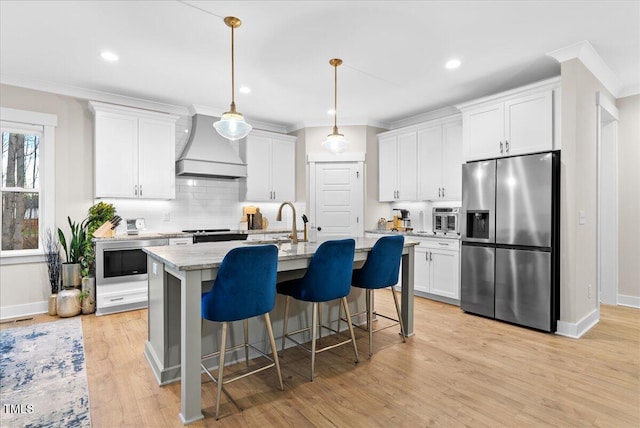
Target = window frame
(45,123)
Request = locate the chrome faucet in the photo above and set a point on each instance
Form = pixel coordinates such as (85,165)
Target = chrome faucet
(294,231)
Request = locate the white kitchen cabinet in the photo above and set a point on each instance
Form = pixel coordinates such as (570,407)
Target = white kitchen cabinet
(440,162)
(134,153)
(397,166)
(270,159)
(437,267)
(513,123)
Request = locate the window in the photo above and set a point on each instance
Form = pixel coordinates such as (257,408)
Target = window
(20,187)
(27,185)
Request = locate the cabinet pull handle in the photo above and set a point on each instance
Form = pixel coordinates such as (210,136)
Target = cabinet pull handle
(141,190)
(439,193)
(443,192)
(500,147)
(430,256)
(135,189)
(274,195)
(398,194)
(115,299)
(506,145)
(426,256)
(442,243)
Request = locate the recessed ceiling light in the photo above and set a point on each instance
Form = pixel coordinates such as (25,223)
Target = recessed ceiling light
(331,112)
(453,63)
(109,56)
(245,90)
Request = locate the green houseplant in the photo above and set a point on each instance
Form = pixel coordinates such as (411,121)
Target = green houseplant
(73,252)
(68,303)
(97,215)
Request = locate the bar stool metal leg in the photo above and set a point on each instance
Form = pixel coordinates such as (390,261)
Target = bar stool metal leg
(284,321)
(353,336)
(314,331)
(395,300)
(246,341)
(274,351)
(223,345)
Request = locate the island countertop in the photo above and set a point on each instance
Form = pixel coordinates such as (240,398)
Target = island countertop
(209,255)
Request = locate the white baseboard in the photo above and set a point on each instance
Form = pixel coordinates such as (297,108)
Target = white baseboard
(632,301)
(21,311)
(577,330)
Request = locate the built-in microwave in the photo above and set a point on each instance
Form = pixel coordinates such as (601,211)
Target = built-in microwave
(445,219)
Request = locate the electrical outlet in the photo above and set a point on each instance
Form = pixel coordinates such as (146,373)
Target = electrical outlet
(166,217)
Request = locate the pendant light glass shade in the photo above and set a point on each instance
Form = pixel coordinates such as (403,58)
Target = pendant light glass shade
(335,142)
(232,125)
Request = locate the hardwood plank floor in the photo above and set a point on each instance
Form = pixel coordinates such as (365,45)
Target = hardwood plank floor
(458,370)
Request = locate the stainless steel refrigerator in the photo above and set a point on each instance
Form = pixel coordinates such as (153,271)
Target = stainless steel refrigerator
(510,229)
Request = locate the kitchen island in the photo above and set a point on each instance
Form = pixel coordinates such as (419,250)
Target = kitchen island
(177,275)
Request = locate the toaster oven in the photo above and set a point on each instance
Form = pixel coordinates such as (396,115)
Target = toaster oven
(445,220)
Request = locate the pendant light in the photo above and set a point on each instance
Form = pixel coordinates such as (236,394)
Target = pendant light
(232,125)
(335,142)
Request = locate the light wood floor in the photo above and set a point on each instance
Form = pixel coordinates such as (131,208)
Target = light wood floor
(458,370)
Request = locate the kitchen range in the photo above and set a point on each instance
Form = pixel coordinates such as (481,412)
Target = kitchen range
(510,263)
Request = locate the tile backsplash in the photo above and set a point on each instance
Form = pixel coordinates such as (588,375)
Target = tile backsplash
(206,203)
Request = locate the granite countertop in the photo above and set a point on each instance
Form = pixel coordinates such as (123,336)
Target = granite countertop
(417,234)
(178,234)
(209,255)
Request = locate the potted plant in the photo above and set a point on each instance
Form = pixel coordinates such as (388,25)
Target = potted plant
(68,304)
(98,214)
(52,259)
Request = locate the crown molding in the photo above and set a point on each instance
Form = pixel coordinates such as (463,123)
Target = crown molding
(424,117)
(90,94)
(586,53)
(328,123)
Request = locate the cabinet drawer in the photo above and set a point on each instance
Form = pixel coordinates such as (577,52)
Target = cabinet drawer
(109,296)
(441,244)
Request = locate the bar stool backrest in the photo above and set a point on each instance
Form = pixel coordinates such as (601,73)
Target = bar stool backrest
(245,286)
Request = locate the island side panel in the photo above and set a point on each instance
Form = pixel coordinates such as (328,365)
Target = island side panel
(407,290)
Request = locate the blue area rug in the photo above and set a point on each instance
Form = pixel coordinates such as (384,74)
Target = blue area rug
(43,376)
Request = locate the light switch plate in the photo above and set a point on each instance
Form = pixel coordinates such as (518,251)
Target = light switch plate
(581,217)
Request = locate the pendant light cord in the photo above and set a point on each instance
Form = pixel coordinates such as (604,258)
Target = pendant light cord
(335,99)
(233,80)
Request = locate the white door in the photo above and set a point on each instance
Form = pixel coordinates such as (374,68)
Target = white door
(430,161)
(528,124)
(407,167)
(483,132)
(452,162)
(156,172)
(444,273)
(388,169)
(337,199)
(283,174)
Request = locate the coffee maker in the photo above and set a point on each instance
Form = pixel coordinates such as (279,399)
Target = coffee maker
(402,222)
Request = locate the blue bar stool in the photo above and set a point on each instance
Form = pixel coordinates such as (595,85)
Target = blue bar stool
(328,277)
(245,287)
(380,271)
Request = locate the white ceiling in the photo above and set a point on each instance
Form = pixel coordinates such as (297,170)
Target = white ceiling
(394,52)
